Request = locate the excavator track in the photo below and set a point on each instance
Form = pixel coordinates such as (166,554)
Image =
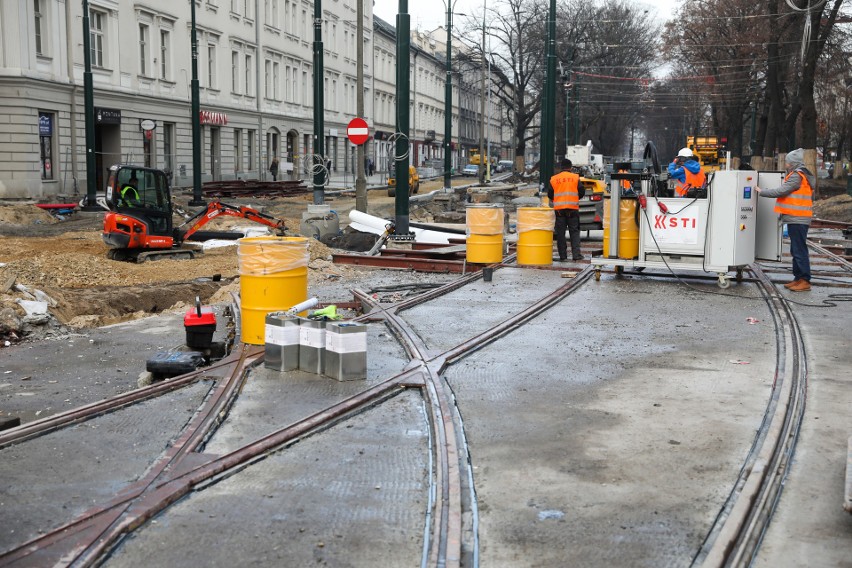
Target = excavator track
(174,254)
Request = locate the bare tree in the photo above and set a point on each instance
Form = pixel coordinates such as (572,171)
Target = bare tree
(516,28)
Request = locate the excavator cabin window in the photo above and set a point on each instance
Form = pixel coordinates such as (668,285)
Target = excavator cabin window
(151,187)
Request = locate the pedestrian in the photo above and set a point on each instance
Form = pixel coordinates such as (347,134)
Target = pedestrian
(273,168)
(686,171)
(795,205)
(565,192)
(369,166)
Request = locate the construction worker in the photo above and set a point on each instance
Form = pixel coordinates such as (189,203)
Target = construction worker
(564,192)
(686,171)
(130,194)
(795,205)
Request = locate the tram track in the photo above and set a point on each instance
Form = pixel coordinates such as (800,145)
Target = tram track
(184,466)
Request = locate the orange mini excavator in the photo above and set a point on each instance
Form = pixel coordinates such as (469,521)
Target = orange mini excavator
(139,225)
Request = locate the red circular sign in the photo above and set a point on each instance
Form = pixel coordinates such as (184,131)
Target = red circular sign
(358,131)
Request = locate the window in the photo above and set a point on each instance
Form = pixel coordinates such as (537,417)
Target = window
(267,78)
(46,121)
(165,54)
(96,37)
(235,71)
(143,49)
(38,15)
(169,147)
(211,65)
(235,6)
(238,149)
(250,140)
(287,96)
(248,75)
(276,82)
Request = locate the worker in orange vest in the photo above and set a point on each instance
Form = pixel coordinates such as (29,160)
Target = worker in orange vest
(564,192)
(795,205)
(686,171)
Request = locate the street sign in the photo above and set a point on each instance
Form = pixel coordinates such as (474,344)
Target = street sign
(358,131)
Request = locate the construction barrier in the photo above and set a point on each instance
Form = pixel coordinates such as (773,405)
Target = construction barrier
(273,278)
(484,233)
(628,229)
(535,235)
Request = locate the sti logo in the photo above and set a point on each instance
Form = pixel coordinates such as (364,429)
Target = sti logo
(666,222)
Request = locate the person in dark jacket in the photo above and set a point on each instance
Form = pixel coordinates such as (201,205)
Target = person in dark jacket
(273,168)
(795,205)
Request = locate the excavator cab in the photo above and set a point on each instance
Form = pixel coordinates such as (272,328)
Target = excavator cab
(140,215)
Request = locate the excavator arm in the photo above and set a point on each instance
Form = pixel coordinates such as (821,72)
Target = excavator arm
(217,208)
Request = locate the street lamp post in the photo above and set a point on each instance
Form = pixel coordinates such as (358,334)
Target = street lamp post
(403,94)
(89,104)
(320,174)
(482,157)
(448,99)
(196,117)
(549,104)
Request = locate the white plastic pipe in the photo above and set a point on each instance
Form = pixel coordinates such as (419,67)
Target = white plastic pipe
(376,225)
(301,307)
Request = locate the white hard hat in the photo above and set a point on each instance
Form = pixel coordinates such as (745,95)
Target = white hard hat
(684,153)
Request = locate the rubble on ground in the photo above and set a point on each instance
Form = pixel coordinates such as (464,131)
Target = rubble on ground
(837,208)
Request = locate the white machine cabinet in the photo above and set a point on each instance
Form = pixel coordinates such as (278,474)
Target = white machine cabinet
(717,234)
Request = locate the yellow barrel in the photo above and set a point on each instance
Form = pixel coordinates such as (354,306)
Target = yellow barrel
(628,230)
(484,233)
(273,278)
(535,235)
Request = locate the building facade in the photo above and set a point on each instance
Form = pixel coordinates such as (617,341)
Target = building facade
(255,71)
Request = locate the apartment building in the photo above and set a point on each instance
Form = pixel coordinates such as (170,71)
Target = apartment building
(255,71)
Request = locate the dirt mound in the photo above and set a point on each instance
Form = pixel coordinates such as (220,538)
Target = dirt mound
(25,215)
(837,208)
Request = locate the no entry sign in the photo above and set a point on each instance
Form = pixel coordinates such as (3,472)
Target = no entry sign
(358,131)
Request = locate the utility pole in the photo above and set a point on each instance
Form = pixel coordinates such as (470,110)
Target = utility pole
(482,157)
(197,201)
(89,103)
(548,108)
(360,180)
(318,161)
(403,94)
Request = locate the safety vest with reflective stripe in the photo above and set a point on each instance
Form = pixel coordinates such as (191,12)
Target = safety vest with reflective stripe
(625,184)
(127,196)
(800,202)
(566,194)
(692,180)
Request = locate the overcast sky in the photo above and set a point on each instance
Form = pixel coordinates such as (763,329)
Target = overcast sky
(429,14)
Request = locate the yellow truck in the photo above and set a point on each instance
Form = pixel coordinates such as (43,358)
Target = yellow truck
(710,151)
(413,182)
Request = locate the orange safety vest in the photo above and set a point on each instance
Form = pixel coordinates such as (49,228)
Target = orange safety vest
(625,184)
(800,202)
(692,180)
(565,191)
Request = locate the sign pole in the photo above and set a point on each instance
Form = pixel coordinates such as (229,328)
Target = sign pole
(360,180)
(197,200)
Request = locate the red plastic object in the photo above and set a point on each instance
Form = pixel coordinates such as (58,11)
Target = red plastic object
(643,201)
(200,324)
(662,207)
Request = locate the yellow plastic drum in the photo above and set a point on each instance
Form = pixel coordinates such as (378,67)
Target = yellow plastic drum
(628,230)
(535,235)
(273,278)
(484,234)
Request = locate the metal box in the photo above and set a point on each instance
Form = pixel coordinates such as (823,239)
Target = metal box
(346,351)
(312,346)
(282,342)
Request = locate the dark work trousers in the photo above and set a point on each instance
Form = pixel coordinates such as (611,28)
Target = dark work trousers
(799,250)
(568,219)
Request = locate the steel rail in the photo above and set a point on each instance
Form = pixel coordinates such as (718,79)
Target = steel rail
(448,548)
(736,534)
(86,540)
(845,264)
(87,412)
